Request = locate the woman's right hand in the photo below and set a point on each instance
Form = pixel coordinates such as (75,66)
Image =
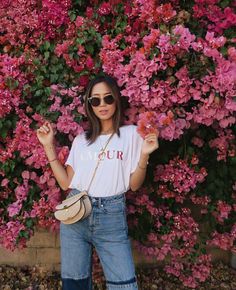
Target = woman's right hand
(45,134)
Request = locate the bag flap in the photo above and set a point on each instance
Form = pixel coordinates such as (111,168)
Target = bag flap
(73,210)
(71,200)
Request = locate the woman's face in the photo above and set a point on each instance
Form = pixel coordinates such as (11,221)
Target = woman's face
(104,111)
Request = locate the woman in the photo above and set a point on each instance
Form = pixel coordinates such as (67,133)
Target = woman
(122,167)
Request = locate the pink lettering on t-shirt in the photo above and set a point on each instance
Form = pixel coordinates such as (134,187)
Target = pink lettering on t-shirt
(101,156)
(108,154)
(120,155)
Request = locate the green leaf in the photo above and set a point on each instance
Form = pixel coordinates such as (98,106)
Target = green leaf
(80,40)
(39,79)
(3,133)
(89,48)
(46,54)
(38,93)
(72,16)
(29,223)
(47,91)
(224,50)
(54,78)
(23,234)
(36,61)
(46,45)
(203,251)
(224,3)
(190,150)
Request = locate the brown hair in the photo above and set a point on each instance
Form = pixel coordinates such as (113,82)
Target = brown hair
(94,123)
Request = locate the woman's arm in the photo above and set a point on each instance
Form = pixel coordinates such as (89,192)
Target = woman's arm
(138,176)
(150,144)
(63,176)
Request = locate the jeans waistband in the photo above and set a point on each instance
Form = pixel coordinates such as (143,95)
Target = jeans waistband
(107,199)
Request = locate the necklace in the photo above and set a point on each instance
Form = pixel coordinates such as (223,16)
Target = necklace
(102,153)
(102,143)
(110,130)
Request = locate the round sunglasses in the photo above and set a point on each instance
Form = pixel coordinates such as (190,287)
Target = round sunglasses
(95,101)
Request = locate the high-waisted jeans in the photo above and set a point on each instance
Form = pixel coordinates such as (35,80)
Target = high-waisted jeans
(105,229)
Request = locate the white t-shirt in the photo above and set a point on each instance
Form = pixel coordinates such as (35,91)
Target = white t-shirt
(113,173)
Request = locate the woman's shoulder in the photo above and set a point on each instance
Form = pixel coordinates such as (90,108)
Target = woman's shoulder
(79,138)
(129,131)
(128,128)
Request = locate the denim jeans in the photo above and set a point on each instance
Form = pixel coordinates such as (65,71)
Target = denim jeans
(105,229)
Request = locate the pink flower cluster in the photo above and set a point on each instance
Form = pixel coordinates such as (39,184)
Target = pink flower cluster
(213,100)
(196,272)
(147,124)
(177,178)
(9,234)
(18,22)
(224,241)
(53,15)
(222,211)
(65,122)
(11,82)
(183,229)
(84,60)
(81,61)
(21,193)
(214,17)
(42,210)
(151,13)
(224,144)
(202,200)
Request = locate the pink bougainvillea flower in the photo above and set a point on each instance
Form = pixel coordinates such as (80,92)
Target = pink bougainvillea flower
(14,208)
(79,21)
(105,8)
(63,153)
(4,182)
(147,124)
(168,119)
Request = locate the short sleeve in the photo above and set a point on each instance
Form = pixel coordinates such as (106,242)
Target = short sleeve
(136,147)
(71,160)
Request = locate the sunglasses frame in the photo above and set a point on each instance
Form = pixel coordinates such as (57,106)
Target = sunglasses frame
(104,98)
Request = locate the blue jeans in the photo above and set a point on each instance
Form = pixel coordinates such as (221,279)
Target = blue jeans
(105,229)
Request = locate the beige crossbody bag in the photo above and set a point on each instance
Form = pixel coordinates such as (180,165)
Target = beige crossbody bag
(79,206)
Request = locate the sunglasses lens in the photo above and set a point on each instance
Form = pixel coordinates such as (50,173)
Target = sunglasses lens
(109,99)
(95,102)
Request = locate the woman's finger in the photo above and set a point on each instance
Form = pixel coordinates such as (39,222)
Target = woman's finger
(151,138)
(151,135)
(46,128)
(42,130)
(49,125)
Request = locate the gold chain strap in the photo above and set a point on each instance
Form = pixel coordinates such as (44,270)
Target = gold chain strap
(102,150)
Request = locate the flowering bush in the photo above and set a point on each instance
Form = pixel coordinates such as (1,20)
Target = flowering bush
(175,62)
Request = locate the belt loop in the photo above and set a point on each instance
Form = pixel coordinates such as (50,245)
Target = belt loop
(99,202)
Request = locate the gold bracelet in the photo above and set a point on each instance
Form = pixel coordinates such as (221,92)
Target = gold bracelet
(48,147)
(142,167)
(52,160)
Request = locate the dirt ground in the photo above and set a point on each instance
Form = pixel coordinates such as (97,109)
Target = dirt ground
(37,278)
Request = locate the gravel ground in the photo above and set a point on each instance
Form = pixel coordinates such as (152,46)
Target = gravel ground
(37,278)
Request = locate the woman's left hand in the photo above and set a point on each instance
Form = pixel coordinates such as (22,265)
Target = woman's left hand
(150,143)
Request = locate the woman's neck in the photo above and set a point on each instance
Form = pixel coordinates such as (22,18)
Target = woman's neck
(107,128)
